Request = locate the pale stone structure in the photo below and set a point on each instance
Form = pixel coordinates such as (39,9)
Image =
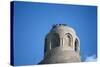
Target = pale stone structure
(61,45)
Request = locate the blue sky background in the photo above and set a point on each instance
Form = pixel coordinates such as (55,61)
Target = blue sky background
(32,21)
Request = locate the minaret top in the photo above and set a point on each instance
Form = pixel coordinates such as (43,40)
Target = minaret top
(61,45)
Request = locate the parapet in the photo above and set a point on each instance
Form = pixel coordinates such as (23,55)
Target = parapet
(56,25)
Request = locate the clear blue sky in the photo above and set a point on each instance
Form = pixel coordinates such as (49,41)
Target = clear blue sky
(32,21)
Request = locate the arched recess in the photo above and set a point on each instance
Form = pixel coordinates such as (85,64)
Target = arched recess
(68,39)
(55,40)
(45,47)
(76,45)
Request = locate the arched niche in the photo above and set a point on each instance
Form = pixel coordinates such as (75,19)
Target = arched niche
(55,42)
(45,47)
(68,40)
(76,45)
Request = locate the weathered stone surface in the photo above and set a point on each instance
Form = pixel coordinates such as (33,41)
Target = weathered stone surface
(61,45)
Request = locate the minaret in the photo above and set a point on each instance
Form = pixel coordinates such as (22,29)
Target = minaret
(61,45)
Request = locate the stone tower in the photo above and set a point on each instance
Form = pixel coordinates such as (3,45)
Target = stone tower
(61,45)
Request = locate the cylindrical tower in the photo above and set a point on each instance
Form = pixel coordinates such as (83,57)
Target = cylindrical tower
(61,45)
